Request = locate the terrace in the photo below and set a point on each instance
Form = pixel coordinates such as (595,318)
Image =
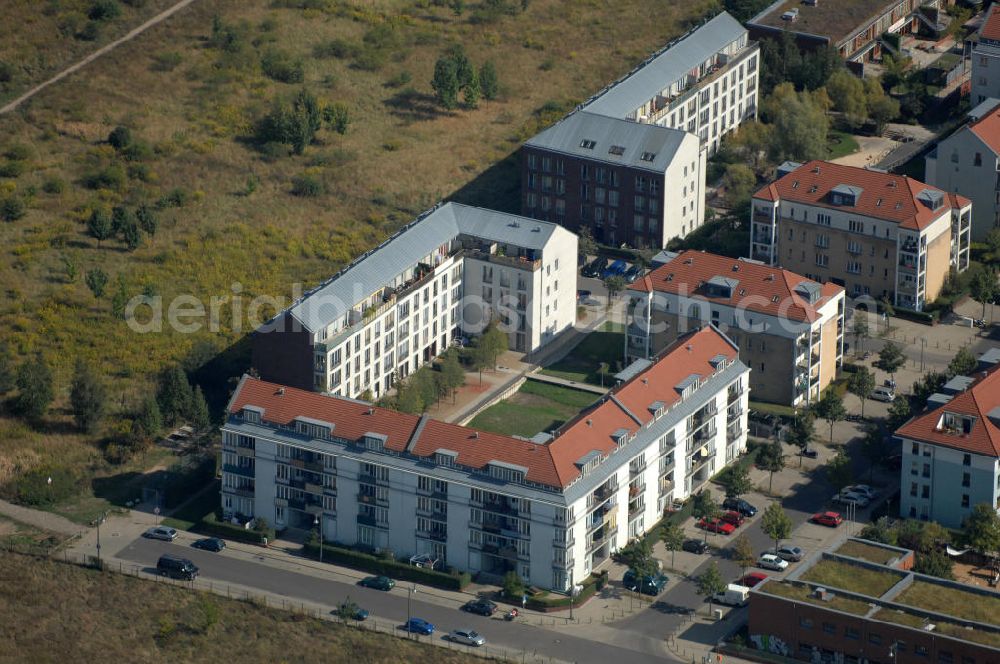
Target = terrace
(836,20)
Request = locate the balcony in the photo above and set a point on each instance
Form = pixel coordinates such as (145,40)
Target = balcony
(309,487)
(240,450)
(733,414)
(368,499)
(704,434)
(634,470)
(666,467)
(761,217)
(600,539)
(518,262)
(243,471)
(666,486)
(733,396)
(436,535)
(564,544)
(498,507)
(733,436)
(247,491)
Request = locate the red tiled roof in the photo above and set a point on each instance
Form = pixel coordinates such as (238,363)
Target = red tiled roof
(987,128)
(885,196)
(758,286)
(977,401)
(552,464)
(991,26)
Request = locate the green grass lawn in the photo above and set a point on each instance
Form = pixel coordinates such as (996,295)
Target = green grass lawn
(583,362)
(951,601)
(191,513)
(534,408)
(854,578)
(875,554)
(805,594)
(840,144)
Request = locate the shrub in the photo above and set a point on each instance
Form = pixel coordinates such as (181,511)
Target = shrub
(7,72)
(111,177)
(306,185)
(90,32)
(104,10)
(281,66)
(11,169)
(18,152)
(213,525)
(166,61)
(53,185)
(927,318)
(337,48)
(120,137)
(400,571)
(12,208)
(176,197)
(399,80)
(35,488)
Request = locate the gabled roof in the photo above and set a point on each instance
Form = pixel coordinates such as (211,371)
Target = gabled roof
(761,288)
(589,136)
(987,128)
(977,402)
(663,69)
(553,463)
(991,25)
(884,196)
(439,226)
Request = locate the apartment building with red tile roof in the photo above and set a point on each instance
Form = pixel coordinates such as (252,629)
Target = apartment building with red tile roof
(879,235)
(951,451)
(483,501)
(788,328)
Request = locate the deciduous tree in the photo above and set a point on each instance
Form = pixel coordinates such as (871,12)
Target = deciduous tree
(839,471)
(99,225)
(673,539)
(96,280)
(88,397)
(802,432)
(890,358)
(710,583)
(705,507)
(737,481)
(963,364)
(859,328)
(831,408)
(489,81)
(743,553)
(776,524)
(983,288)
(34,389)
(772,459)
(861,384)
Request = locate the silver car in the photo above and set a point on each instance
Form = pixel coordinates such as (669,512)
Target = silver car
(161,533)
(468,637)
(792,554)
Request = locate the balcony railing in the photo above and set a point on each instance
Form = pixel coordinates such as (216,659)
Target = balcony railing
(239,490)
(244,471)
(436,535)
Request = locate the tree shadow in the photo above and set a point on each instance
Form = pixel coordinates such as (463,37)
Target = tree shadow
(410,105)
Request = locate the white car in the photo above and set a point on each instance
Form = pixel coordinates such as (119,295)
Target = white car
(883,393)
(161,533)
(468,637)
(771,561)
(863,490)
(851,498)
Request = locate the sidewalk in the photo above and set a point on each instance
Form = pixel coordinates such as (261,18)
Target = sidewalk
(40,519)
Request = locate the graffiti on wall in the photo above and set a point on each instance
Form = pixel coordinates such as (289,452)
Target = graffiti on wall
(769,643)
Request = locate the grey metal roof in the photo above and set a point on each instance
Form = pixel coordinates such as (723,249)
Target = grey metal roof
(787,167)
(992,356)
(658,144)
(667,66)
(662,258)
(957,384)
(848,190)
(983,108)
(375,269)
(633,370)
(938,399)
(723,282)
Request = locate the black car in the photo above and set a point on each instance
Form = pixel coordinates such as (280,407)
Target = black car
(739,505)
(594,267)
(695,546)
(210,544)
(483,607)
(809,453)
(176,567)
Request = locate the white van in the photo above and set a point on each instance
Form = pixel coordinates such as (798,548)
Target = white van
(733,595)
(883,393)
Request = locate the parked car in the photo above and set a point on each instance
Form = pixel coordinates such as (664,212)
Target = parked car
(632,274)
(651,584)
(594,267)
(733,595)
(739,505)
(751,579)
(864,490)
(483,607)
(467,637)
(695,546)
(850,498)
(772,561)
(424,560)
(883,393)
(716,526)
(616,269)
(418,626)
(210,544)
(176,567)
(792,554)
(161,533)
(583,295)
(353,611)
(377,582)
(809,453)
(733,517)
(831,519)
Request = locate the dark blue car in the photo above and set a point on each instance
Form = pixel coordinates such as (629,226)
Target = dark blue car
(617,268)
(419,626)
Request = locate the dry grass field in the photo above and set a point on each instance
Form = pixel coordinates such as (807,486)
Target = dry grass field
(55,612)
(226,211)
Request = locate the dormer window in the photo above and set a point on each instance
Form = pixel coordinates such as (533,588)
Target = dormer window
(588,144)
(616,150)
(620,436)
(506,471)
(374,441)
(648,156)
(845,194)
(252,414)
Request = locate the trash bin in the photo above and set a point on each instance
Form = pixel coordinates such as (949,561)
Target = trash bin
(718,614)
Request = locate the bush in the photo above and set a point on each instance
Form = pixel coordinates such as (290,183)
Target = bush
(91,31)
(120,137)
(367,562)
(53,185)
(927,318)
(306,185)
(281,66)
(337,48)
(547,601)
(177,197)
(12,208)
(112,177)
(166,61)
(18,152)
(104,10)
(11,169)
(213,525)
(34,487)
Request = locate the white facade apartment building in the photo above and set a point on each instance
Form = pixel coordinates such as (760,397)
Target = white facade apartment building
(552,508)
(951,452)
(402,304)
(967,162)
(986,59)
(705,83)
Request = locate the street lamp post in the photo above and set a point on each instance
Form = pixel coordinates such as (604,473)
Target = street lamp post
(923,344)
(319,533)
(409,594)
(100,520)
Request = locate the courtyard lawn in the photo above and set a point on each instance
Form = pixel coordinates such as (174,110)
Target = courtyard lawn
(840,144)
(583,363)
(536,407)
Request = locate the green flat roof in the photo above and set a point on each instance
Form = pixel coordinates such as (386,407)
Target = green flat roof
(835,574)
(837,19)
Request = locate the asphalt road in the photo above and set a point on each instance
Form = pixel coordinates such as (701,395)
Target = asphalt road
(515,637)
(666,614)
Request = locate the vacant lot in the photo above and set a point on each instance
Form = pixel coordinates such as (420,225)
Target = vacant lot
(236,218)
(536,407)
(583,363)
(53,612)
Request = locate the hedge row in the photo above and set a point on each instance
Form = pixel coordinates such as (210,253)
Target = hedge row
(549,602)
(366,562)
(211,525)
(927,318)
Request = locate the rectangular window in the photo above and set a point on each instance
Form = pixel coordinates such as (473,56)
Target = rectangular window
(966,479)
(965,500)
(966,459)
(829,628)
(852,633)
(805,622)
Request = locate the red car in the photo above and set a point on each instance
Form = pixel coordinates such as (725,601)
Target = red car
(751,579)
(733,517)
(717,526)
(831,519)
